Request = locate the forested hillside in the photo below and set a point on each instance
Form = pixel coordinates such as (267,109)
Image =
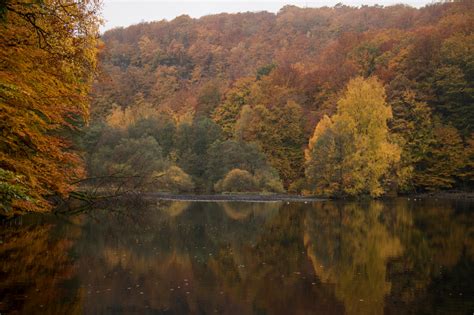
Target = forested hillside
(331,101)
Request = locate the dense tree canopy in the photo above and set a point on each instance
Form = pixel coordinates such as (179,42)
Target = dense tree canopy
(248,91)
(268,79)
(48,56)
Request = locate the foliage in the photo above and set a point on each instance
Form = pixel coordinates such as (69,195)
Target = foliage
(192,142)
(269,181)
(12,189)
(226,114)
(224,156)
(443,160)
(453,82)
(283,148)
(413,125)
(173,179)
(48,57)
(129,164)
(270,78)
(245,91)
(162,128)
(324,159)
(236,181)
(351,153)
(208,99)
(466,173)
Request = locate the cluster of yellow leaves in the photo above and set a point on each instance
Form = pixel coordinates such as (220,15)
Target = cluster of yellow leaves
(123,118)
(350,153)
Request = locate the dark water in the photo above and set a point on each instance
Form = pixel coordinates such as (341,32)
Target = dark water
(392,257)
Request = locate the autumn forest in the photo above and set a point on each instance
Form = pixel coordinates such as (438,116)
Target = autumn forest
(339,102)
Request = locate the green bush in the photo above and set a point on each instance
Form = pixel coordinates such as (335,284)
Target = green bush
(268,181)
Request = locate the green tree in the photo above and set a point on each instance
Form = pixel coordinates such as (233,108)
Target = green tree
(129,164)
(278,131)
(162,128)
(208,99)
(412,125)
(192,142)
(443,161)
(324,159)
(224,156)
(267,180)
(453,82)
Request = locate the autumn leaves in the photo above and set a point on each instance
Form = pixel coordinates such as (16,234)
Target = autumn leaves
(351,153)
(48,58)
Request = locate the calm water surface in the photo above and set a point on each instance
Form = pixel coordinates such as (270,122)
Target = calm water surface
(391,257)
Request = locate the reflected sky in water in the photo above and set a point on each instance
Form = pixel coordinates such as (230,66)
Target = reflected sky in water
(373,257)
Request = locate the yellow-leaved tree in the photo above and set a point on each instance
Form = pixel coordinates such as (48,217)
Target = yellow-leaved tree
(48,59)
(351,152)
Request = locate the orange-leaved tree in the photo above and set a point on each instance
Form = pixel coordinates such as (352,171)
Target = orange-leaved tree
(48,59)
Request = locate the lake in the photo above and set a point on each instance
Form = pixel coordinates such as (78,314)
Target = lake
(398,256)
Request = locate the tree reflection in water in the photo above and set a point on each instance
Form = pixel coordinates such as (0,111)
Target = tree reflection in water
(369,257)
(350,246)
(38,276)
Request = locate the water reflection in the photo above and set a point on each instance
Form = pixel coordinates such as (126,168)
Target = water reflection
(38,275)
(374,257)
(349,246)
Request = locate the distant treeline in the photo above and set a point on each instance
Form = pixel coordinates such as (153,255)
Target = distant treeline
(330,101)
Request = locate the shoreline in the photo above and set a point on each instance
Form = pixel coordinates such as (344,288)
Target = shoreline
(451,195)
(237,198)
